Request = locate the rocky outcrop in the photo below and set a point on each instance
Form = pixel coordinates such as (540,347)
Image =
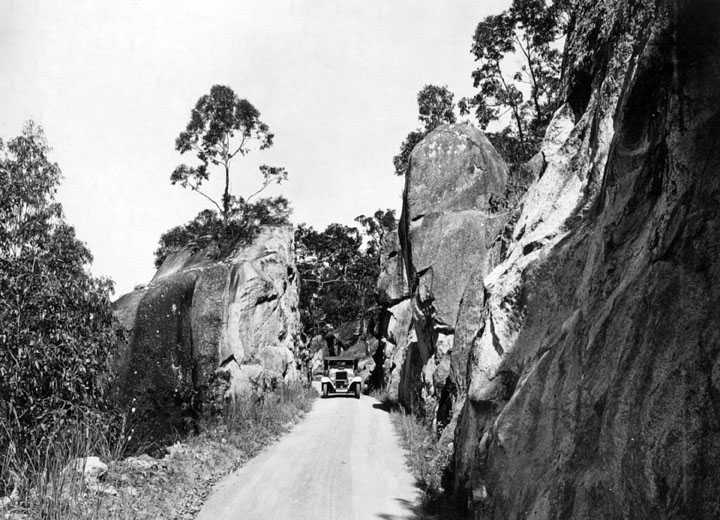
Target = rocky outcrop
(203,327)
(449,221)
(392,286)
(594,374)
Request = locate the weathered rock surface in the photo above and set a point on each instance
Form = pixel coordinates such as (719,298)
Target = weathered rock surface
(392,285)
(594,381)
(203,323)
(449,221)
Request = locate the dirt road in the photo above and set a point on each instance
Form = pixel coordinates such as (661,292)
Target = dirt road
(343,461)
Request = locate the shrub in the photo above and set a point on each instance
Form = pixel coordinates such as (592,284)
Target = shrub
(207,231)
(56,339)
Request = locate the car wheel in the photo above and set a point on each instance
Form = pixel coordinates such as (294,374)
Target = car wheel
(324,390)
(357,391)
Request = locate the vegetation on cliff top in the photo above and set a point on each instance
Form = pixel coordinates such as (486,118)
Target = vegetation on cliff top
(529,31)
(517,77)
(222,127)
(435,108)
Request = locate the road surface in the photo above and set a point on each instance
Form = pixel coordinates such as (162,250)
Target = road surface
(343,461)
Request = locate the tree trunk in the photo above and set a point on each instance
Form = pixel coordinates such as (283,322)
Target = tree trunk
(226,195)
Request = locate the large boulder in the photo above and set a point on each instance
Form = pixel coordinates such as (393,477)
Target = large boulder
(452,192)
(204,327)
(450,219)
(593,379)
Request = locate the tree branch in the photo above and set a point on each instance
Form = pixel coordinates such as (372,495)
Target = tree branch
(195,188)
(323,282)
(534,90)
(265,185)
(515,110)
(240,147)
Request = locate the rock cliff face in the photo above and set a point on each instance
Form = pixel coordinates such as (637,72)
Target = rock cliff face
(585,351)
(449,221)
(202,327)
(594,374)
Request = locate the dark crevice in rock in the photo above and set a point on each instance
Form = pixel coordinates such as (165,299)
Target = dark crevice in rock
(228,360)
(579,93)
(495,340)
(447,399)
(543,167)
(265,298)
(423,271)
(532,246)
(505,381)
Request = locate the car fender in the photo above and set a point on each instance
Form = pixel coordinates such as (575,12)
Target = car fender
(327,381)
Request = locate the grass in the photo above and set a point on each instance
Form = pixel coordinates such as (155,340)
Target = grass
(428,459)
(142,487)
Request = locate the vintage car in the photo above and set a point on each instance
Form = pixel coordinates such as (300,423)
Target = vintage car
(340,376)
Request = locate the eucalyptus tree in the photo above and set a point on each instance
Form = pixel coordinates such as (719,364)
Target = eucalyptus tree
(530,31)
(222,127)
(339,268)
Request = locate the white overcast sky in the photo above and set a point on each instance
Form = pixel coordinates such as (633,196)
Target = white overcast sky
(113,82)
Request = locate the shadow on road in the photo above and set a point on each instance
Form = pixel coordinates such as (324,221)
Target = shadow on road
(412,510)
(385,407)
(388,406)
(425,511)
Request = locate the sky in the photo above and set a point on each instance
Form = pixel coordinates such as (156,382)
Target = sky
(113,83)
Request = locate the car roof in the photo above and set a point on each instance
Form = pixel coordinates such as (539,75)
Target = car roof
(340,358)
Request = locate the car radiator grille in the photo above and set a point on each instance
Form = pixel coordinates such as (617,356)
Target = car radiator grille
(341,379)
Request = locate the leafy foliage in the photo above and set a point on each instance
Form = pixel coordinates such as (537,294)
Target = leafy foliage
(145,488)
(207,231)
(435,108)
(223,126)
(56,339)
(376,228)
(402,160)
(338,274)
(529,28)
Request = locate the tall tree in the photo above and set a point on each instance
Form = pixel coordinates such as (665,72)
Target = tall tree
(435,108)
(223,126)
(327,290)
(56,339)
(338,273)
(529,30)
